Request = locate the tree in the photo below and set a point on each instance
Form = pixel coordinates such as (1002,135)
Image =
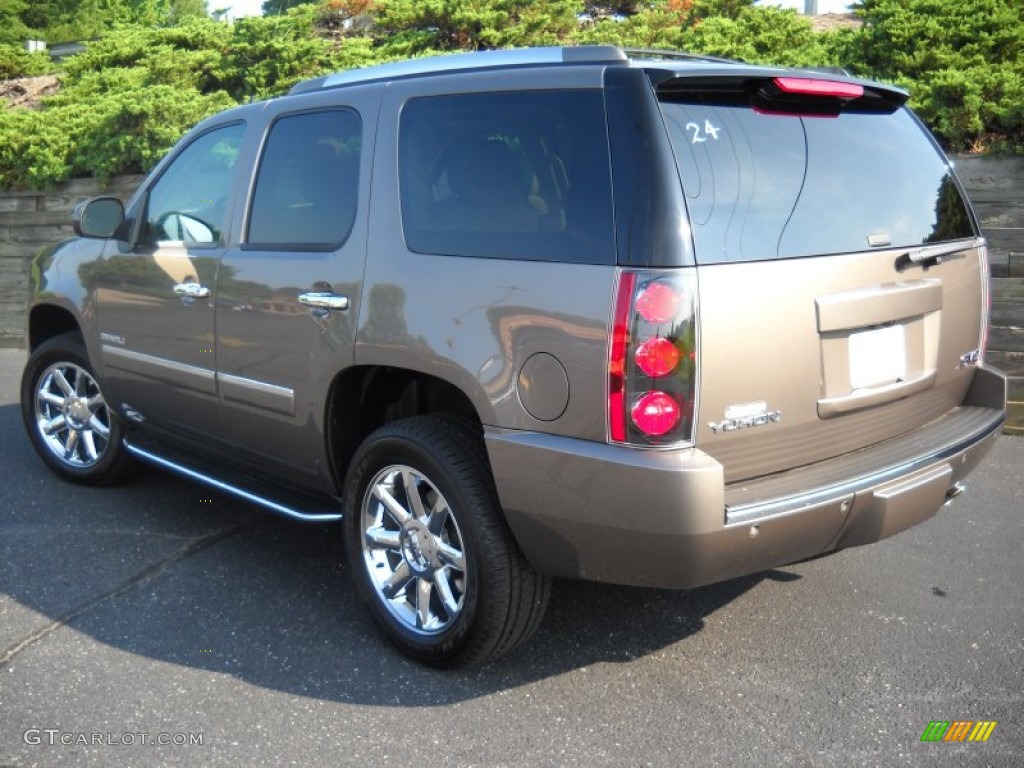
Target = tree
(158,12)
(13,30)
(60,21)
(277,7)
(732,9)
(180,10)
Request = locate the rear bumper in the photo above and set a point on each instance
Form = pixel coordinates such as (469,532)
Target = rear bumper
(666,519)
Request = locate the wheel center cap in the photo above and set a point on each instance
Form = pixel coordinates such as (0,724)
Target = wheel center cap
(419,548)
(77,413)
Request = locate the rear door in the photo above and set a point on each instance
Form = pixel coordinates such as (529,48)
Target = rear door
(289,292)
(840,272)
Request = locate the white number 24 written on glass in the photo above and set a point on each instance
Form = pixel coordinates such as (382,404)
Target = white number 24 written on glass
(701,135)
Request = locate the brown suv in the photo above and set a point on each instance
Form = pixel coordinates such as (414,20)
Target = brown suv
(652,319)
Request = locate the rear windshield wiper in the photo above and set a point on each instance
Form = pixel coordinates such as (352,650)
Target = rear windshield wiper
(929,255)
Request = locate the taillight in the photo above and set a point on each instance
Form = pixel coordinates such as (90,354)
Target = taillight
(656,413)
(657,357)
(658,302)
(986,302)
(652,358)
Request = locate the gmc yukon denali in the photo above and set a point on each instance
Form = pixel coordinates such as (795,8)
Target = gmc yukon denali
(642,318)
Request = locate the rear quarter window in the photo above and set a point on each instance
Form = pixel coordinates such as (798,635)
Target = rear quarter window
(508,175)
(763,186)
(307,185)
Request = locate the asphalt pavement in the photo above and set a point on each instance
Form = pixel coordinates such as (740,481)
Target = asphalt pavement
(158,623)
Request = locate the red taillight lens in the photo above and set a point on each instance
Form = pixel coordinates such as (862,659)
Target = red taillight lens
(805,86)
(658,302)
(617,358)
(652,358)
(657,357)
(656,413)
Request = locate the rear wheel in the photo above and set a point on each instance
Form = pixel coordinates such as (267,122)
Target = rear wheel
(429,548)
(67,417)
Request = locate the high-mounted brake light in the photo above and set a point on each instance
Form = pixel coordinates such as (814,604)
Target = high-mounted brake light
(652,358)
(805,86)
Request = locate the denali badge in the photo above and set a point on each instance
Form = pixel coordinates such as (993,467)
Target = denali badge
(746,415)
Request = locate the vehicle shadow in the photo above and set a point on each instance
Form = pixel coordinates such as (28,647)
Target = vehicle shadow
(165,569)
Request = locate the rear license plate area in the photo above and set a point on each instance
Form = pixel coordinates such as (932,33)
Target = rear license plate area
(878,357)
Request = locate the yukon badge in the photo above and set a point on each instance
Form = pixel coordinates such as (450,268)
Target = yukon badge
(745,415)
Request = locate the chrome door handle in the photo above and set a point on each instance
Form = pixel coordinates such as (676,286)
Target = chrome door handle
(323,300)
(192,290)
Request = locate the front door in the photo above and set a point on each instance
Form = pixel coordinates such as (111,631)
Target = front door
(154,298)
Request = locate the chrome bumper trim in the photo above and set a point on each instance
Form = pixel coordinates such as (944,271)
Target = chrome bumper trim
(745,514)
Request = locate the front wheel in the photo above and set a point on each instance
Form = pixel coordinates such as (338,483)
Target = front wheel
(67,417)
(429,549)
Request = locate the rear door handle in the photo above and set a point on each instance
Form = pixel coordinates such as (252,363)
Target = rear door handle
(323,300)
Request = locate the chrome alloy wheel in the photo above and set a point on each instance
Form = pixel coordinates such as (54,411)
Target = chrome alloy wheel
(71,415)
(413,550)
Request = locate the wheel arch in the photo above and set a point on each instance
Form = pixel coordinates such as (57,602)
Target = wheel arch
(363,398)
(45,321)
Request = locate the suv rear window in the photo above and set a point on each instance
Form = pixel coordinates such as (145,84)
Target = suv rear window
(514,175)
(763,186)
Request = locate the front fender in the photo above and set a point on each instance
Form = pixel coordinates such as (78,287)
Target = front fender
(59,298)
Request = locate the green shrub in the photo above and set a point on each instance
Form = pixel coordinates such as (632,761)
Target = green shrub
(33,152)
(760,35)
(267,55)
(960,61)
(16,62)
(129,131)
(137,88)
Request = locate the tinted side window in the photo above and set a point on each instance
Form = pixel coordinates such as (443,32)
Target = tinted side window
(308,182)
(517,175)
(189,200)
(766,186)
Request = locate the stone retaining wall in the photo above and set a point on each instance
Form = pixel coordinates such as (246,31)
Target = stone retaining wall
(28,221)
(996,187)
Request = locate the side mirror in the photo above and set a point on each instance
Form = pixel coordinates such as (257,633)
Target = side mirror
(99,217)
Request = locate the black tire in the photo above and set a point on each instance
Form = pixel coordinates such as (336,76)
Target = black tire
(443,610)
(68,420)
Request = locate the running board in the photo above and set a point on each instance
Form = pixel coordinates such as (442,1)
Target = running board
(234,490)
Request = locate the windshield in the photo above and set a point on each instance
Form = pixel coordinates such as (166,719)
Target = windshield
(763,186)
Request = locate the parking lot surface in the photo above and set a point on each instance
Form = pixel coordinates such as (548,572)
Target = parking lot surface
(159,623)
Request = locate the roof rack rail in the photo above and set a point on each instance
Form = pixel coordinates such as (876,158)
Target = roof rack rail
(661,53)
(457,62)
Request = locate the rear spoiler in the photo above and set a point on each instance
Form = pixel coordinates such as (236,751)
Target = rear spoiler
(804,92)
